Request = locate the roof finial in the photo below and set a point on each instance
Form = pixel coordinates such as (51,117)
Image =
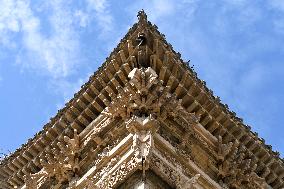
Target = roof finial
(142,17)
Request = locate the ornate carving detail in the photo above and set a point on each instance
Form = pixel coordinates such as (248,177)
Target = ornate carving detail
(123,171)
(61,163)
(142,130)
(31,180)
(257,182)
(237,167)
(143,96)
(224,149)
(90,184)
(139,104)
(165,171)
(109,179)
(71,151)
(187,184)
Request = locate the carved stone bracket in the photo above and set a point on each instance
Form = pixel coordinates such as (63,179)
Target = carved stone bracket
(143,96)
(237,167)
(59,164)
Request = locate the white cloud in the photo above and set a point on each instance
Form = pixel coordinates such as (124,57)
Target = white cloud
(54,55)
(57,52)
(102,14)
(163,8)
(8,16)
(47,37)
(83,18)
(9,21)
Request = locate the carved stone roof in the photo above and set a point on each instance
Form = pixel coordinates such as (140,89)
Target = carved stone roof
(144,52)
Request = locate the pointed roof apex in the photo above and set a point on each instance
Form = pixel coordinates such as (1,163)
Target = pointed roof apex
(142,17)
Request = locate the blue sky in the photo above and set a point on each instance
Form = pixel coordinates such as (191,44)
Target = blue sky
(48,49)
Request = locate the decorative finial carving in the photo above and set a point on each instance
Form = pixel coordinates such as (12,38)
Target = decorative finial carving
(142,17)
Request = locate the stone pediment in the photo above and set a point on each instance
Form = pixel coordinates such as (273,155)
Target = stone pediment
(144,112)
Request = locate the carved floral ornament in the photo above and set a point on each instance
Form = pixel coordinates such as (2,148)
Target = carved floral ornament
(142,103)
(145,99)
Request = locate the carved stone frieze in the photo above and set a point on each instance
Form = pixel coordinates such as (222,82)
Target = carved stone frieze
(163,170)
(90,184)
(108,179)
